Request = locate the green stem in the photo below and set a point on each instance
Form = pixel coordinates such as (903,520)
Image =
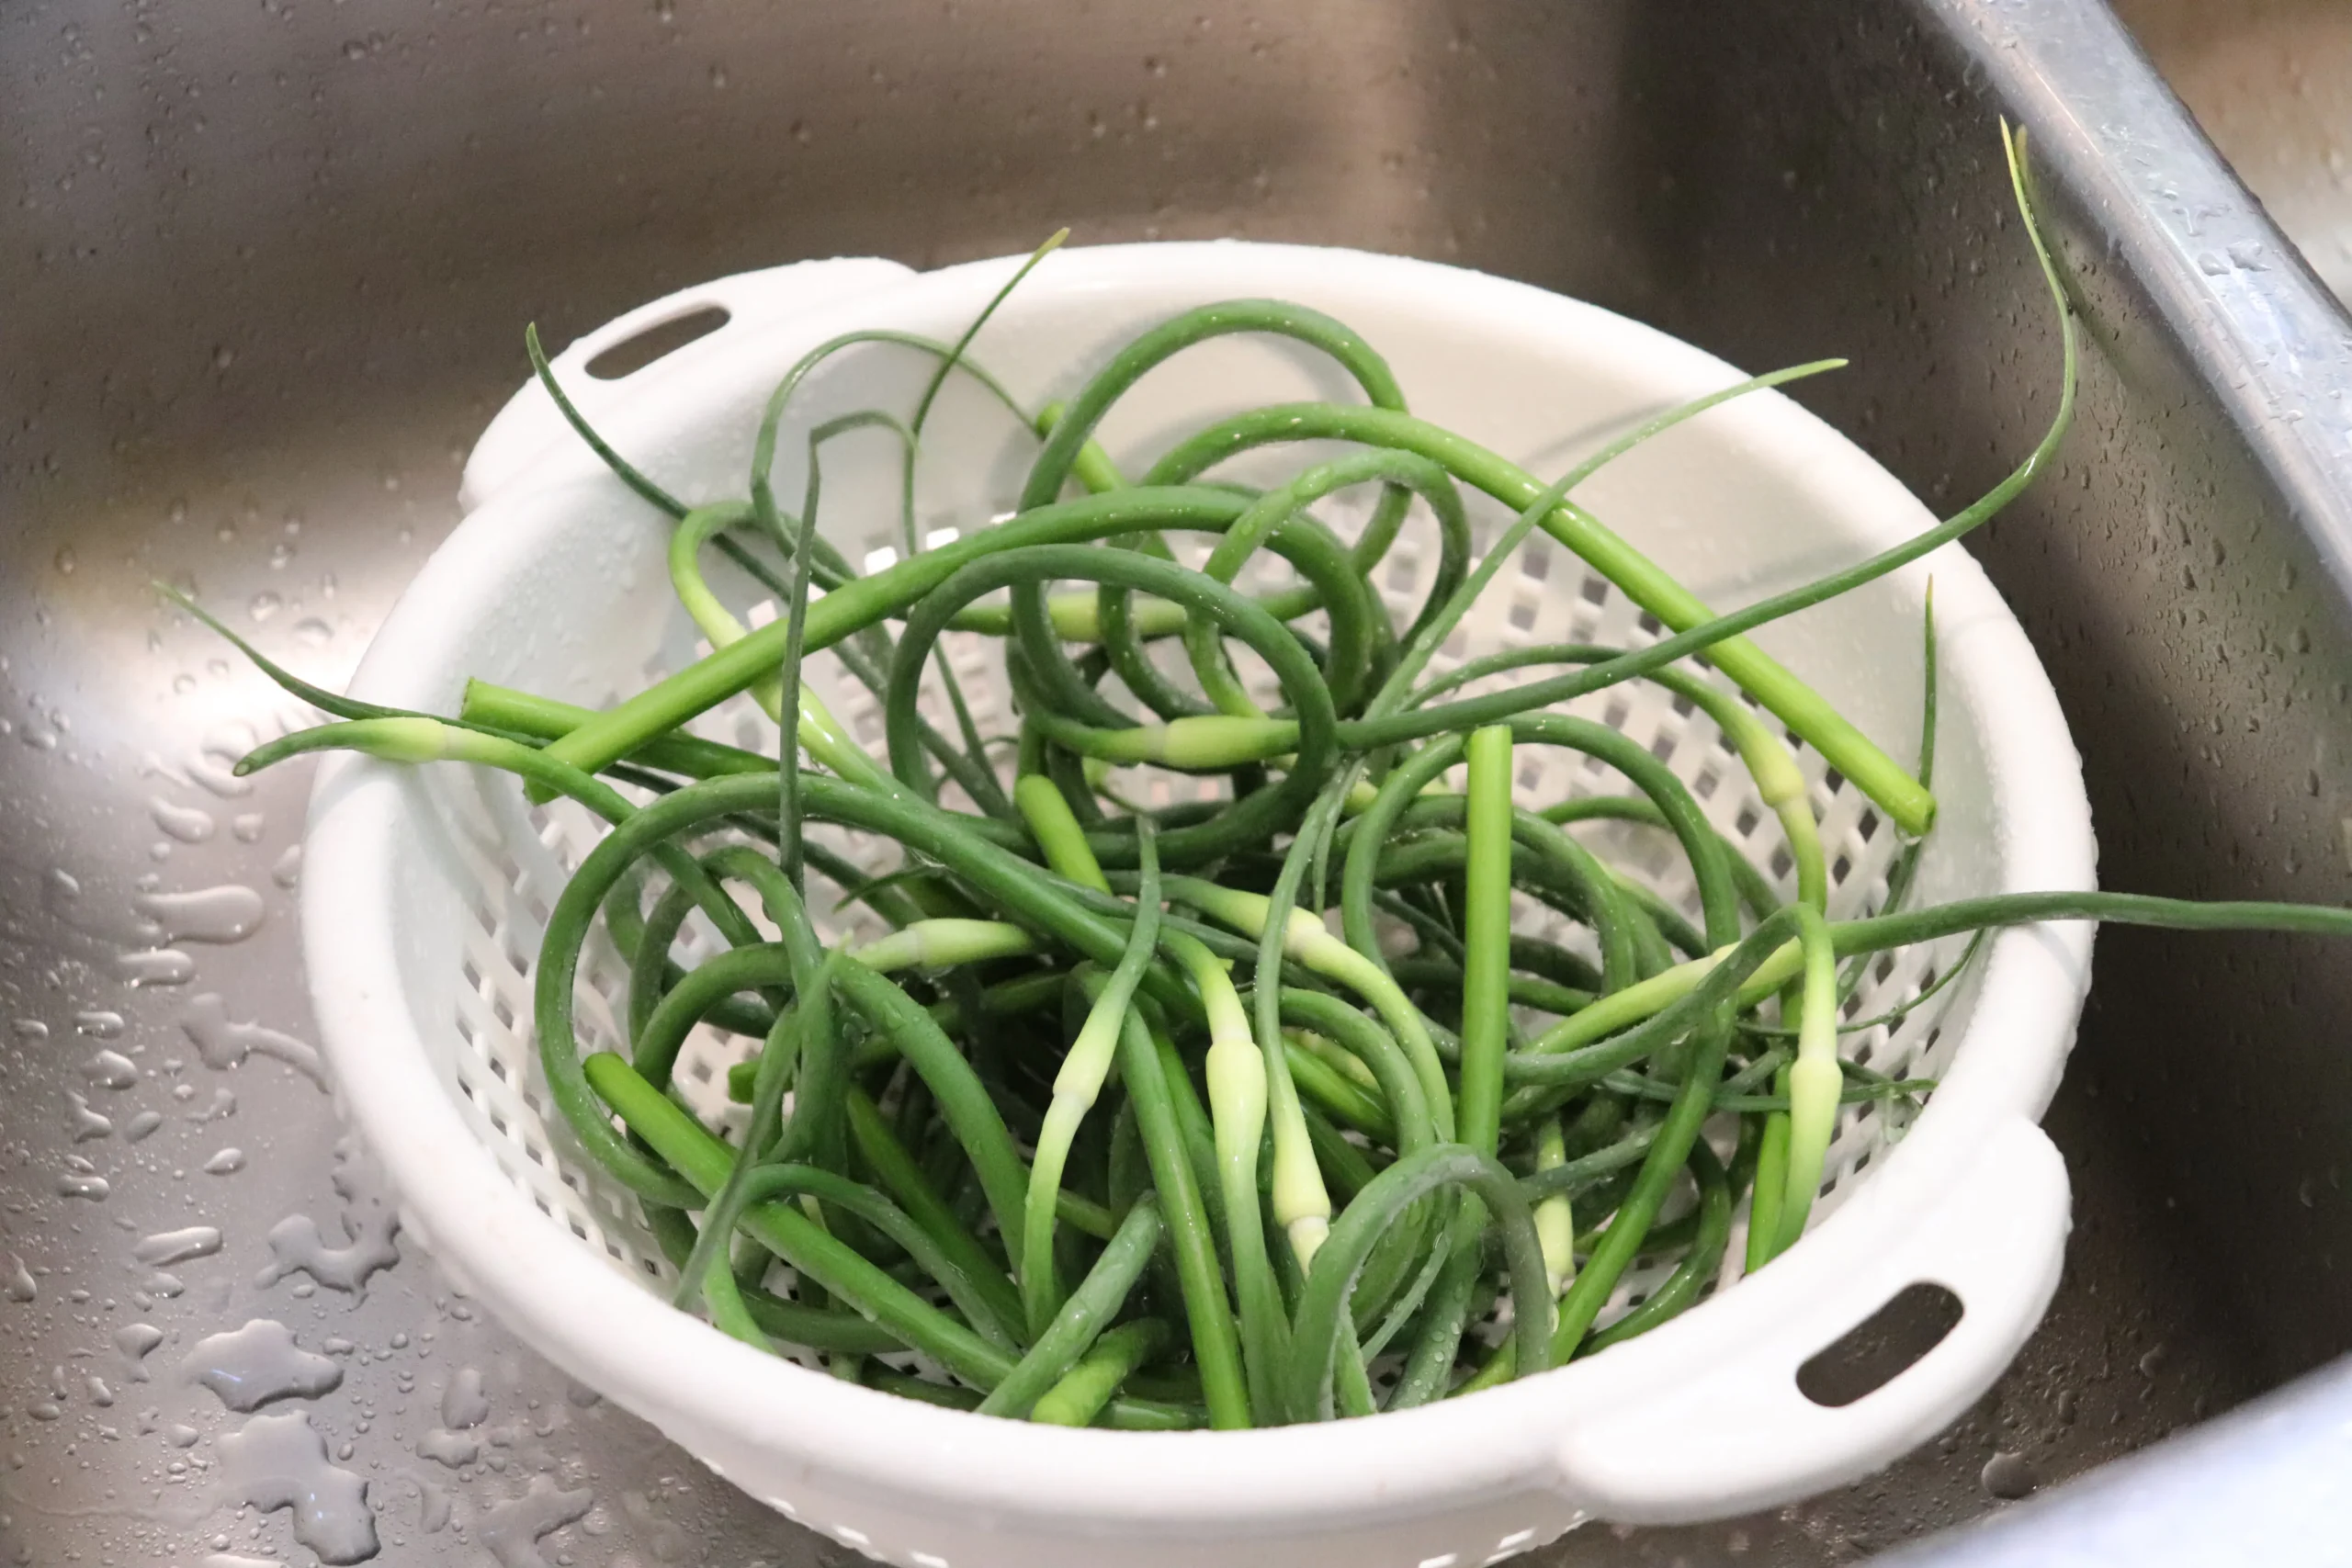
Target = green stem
(1056,831)
(1815,1082)
(1083,1317)
(1087,1387)
(1216,1347)
(1076,1086)
(1772,1183)
(1641,580)
(1322,1308)
(1485,941)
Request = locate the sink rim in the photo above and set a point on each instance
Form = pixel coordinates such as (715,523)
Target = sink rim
(2131,168)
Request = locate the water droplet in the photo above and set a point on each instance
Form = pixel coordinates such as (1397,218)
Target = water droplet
(160,966)
(223,357)
(248,826)
(297,1245)
(218,779)
(87,1124)
(98,1024)
(166,1247)
(463,1402)
(456,1449)
(73,1184)
(314,631)
(369,1221)
(65,561)
(110,1069)
(223,1045)
(2008,1477)
(186,823)
(228,1162)
(100,1394)
(137,1341)
(224,914)
(279,554)
(258,1363)
(223,1103)
(139,1126)
(287,869)
(181,1436)
(510,1530)
(280,1461)
(265,604)
(30,1029)
(18,1281)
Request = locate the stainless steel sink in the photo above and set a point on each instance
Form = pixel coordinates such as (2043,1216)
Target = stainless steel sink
(2268,80)
(262,273)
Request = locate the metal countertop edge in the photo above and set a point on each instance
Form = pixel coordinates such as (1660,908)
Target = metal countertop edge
(2266,1482)
(2235,295)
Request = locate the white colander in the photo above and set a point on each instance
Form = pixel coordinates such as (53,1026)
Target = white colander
(425,890)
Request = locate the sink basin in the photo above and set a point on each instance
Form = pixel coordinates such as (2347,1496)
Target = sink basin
(267,269)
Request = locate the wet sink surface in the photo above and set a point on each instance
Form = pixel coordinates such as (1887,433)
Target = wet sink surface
(270,269)
(2271,83)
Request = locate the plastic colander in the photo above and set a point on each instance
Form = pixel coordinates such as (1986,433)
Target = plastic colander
(425,889)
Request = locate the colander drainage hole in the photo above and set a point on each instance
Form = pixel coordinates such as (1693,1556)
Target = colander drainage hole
(635,353)
(1878,1349)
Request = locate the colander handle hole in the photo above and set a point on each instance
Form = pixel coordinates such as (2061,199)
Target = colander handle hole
(640,349)
(1881,1347)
